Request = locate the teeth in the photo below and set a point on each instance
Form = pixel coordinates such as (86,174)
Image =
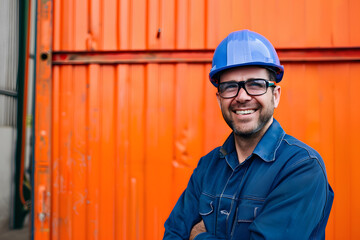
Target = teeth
(244,112)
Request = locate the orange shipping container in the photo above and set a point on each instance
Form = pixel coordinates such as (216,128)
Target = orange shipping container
(124,108)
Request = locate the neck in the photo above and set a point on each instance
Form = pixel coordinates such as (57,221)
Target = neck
(245,145)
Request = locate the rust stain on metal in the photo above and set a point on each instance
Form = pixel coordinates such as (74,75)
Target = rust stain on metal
(198,56)
(114,57)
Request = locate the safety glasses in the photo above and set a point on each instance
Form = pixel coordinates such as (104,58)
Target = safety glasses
(253,87)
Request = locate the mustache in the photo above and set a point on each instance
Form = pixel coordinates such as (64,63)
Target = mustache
(238,106)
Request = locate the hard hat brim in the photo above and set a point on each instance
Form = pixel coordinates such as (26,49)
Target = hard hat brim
(278,70)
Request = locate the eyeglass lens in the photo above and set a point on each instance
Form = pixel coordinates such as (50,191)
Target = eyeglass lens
(253,87)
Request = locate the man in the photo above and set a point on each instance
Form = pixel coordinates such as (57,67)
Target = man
(262,183)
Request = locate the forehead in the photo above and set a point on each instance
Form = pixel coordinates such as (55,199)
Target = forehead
(243,73)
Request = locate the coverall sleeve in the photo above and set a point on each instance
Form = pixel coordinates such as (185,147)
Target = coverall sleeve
(186,211)
(207,236)
(295,207)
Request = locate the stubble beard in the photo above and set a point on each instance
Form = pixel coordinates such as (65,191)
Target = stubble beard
(263,120)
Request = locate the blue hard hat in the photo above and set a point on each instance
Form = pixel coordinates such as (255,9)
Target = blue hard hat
(244,48)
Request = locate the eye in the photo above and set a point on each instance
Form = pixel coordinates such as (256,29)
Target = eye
(256,83)
(229,86)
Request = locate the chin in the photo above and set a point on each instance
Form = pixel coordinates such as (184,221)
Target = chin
(245,133)
(250,131)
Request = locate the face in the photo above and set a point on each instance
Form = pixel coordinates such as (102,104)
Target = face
(246,115)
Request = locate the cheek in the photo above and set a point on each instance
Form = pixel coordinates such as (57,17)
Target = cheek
(224,103)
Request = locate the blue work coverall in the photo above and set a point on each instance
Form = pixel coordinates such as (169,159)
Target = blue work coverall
(279,192)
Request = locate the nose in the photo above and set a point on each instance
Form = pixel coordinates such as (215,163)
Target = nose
(242,96)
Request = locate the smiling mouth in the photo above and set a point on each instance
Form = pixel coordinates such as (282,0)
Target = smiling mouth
(244,112)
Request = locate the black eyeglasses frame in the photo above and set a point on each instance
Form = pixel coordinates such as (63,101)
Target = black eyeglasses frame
(241,84)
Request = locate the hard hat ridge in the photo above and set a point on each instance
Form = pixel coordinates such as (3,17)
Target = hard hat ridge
(244,48)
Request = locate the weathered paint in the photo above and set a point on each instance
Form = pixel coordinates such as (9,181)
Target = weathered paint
(96,25)
(199,56)
(129,109)
(42,188)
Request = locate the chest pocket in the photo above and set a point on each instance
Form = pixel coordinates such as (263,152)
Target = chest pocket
(207,211)
(245,215)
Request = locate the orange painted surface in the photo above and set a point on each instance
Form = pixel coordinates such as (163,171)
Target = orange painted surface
(42,194)
(116,142)
(86,25)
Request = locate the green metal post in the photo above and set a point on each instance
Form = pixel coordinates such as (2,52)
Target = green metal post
(20,211)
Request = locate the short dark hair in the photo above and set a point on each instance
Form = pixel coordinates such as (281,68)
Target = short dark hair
(272,75)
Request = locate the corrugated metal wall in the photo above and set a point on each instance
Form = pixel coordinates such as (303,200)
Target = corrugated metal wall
(125,139)
(129,110)
(85,25)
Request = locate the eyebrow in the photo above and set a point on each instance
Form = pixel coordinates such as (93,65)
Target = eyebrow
(248,79)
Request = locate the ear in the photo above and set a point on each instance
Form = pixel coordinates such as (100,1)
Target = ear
(276,96)
(218,99)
